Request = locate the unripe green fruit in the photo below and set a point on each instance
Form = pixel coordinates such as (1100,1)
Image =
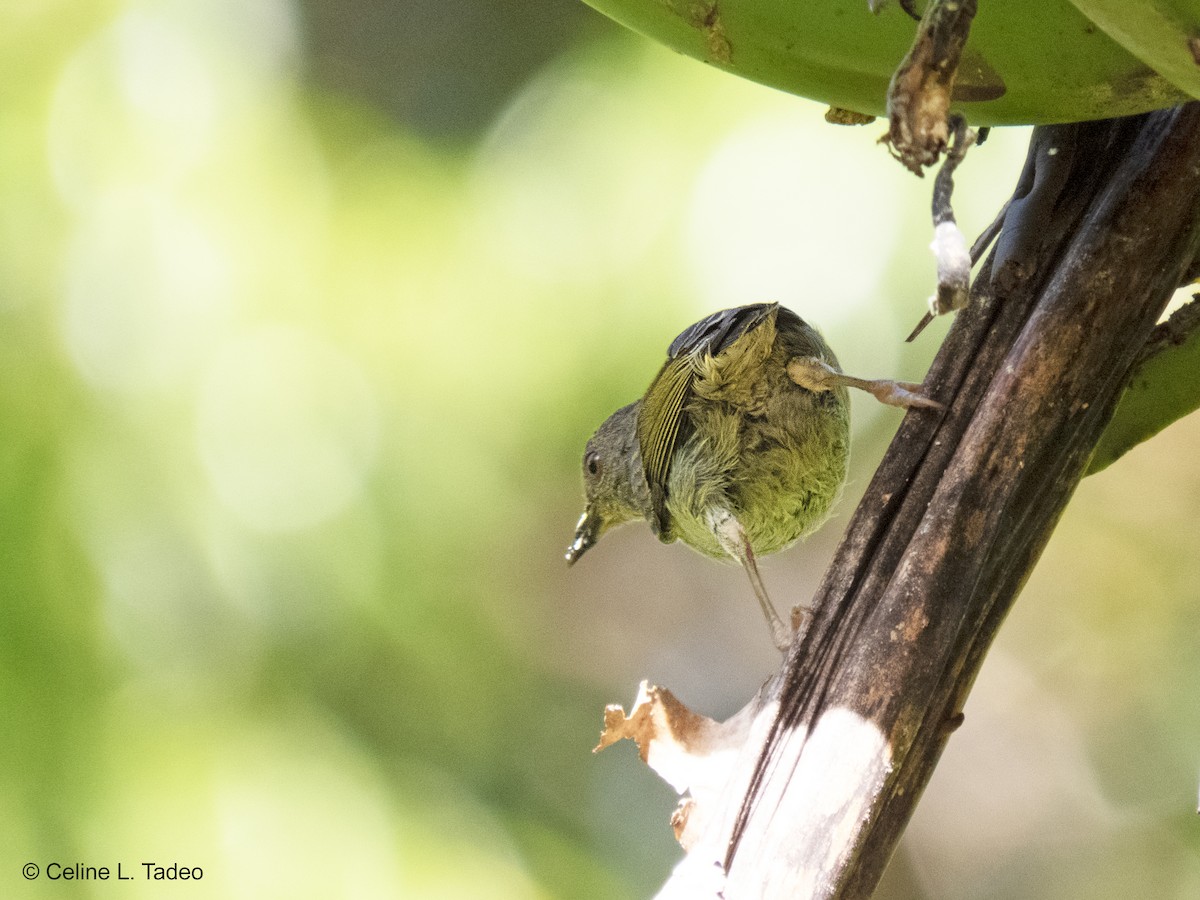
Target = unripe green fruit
(1027,61)
(1164,34)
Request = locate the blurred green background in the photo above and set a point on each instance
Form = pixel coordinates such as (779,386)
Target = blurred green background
(307,309)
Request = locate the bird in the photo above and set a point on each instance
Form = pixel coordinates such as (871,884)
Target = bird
(738,448)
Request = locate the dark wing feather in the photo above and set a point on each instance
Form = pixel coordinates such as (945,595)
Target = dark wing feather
(714,333)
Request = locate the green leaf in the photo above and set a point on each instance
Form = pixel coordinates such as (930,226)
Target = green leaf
(1165,387)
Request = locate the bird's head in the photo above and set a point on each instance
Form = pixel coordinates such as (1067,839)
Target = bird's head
(613,481)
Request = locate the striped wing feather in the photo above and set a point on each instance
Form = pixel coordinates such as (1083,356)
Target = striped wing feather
(662,421)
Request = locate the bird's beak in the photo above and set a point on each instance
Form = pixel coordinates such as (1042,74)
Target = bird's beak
(587,532)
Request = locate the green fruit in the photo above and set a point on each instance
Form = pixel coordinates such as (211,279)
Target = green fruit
(1164,34)
(1027,61)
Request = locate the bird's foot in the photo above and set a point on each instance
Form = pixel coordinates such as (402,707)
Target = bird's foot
(802,619)
(782,636)
(905,394)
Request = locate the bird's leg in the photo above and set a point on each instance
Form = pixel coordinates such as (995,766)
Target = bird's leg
(815,374)
(733,540)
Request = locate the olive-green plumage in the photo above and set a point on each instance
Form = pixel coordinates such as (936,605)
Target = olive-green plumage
(739,446)
(723,431)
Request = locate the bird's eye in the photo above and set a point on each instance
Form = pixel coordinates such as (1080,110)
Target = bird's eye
(592,463)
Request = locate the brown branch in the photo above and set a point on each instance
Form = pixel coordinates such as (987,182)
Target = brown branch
(957,515)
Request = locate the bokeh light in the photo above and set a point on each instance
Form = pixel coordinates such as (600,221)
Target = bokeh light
(288,428)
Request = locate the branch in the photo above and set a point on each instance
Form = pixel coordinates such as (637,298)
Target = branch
(954,520)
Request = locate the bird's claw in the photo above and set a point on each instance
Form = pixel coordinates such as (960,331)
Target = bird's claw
(783,636)
(905,394)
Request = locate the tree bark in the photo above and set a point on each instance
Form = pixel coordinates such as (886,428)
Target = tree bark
(1105,222)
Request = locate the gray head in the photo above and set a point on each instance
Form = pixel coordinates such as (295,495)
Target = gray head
(613,480)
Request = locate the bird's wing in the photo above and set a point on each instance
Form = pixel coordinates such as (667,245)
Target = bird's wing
(662,421)
(715,333)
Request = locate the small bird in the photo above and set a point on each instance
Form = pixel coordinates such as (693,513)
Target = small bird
(738,448)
